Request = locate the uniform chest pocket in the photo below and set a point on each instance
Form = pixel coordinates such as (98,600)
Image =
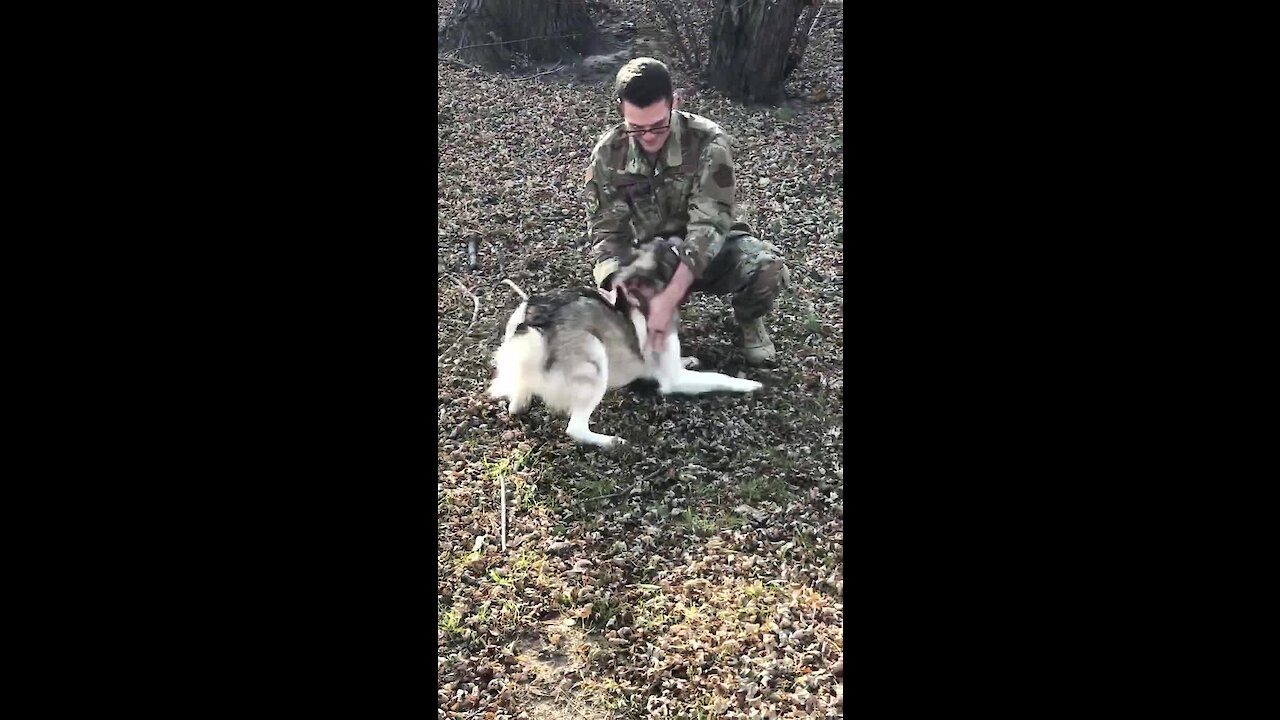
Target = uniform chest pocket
(675,193)
(642,197)
(683,182)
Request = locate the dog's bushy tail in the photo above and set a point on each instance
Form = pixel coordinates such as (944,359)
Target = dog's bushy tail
(515,287)
(519,360)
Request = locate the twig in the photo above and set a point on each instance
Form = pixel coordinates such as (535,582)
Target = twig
(508,42)
(548,72)
(472,260)
(816,15)
(474,314)
(459,63)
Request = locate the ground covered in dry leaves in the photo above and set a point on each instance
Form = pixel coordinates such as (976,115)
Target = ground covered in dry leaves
(698,572)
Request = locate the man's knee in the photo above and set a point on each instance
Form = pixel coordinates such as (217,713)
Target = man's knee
(770,279)
(773,277)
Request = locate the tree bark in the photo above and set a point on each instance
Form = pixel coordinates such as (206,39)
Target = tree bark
(749,44)
(500,34)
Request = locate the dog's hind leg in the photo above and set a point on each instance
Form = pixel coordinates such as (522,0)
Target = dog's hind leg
(518,360)
(578,424)
(692,383)
(588,382)
(674,378)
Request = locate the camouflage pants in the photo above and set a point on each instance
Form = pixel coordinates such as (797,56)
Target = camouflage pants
(750,270)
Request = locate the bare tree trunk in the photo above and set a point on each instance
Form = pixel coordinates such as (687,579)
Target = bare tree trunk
(498,34)
(749,44)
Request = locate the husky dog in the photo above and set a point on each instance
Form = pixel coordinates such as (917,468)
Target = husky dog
(570,346)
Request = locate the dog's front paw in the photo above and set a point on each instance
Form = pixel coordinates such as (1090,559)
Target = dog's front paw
(515,407)
(752,386)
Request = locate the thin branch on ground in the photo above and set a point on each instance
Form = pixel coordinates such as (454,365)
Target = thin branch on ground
(459,63)
(547,72)
(474,314)
(815,19)
(508,42)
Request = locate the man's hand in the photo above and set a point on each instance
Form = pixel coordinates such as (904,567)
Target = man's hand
(662,310)
(664,306)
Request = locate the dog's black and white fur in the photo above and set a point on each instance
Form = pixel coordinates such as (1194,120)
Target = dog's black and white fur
(570,347)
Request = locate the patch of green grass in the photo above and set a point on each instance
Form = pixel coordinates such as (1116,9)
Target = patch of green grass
(706,524)
(601,611)
(595,487)
(691,612)
(757,488)
(781,462)
(463,560)
(525,494)
(508,614)
(495,470)
(655,614)
(530,562)
(497,577)
(702,490)
(450,620)
(698,523)
(527,559)
(755,590)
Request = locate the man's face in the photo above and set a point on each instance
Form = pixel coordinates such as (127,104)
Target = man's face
(650,117)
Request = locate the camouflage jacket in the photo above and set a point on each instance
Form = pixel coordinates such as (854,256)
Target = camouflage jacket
(687,192)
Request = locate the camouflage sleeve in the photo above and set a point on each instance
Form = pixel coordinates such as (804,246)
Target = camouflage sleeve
(710,207)
(607,213)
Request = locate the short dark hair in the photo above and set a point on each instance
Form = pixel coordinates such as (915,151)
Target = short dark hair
(642,82)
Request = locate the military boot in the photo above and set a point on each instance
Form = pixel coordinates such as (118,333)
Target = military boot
(756,346)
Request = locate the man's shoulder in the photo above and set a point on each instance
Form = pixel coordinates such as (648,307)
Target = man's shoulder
(703,128)
(611,146)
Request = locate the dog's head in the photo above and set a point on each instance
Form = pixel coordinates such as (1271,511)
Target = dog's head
(646,270)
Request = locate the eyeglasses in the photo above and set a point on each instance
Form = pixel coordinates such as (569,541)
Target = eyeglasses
(655,130)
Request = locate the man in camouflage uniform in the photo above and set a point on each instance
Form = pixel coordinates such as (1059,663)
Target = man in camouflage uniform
(664,172)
